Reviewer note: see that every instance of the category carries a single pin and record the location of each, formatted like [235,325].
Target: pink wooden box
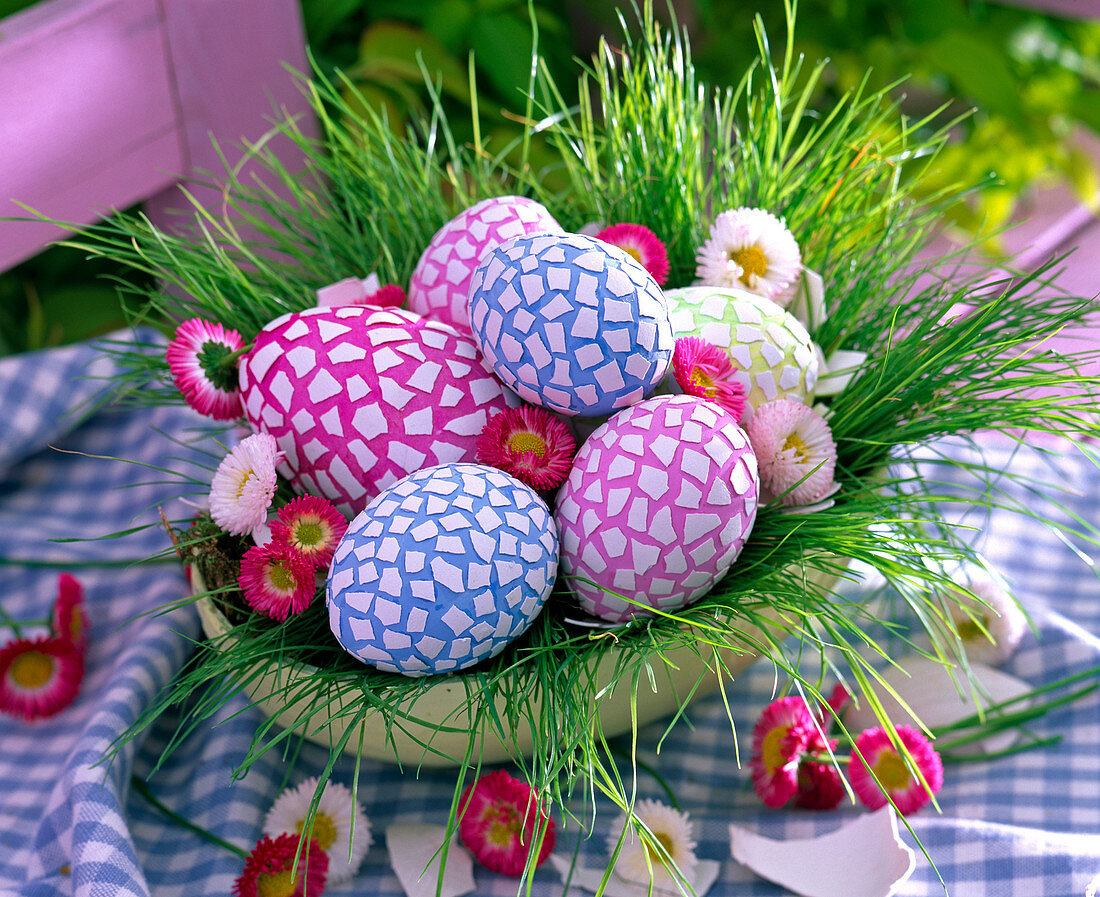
[105,103]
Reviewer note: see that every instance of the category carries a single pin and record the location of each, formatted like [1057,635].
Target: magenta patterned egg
[440,284]
[358,397]
[657,507]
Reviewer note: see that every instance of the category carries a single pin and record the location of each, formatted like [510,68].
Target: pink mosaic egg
[440,284]
[657,507]
[359,397]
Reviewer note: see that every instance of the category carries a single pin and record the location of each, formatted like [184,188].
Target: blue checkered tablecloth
[1022,825]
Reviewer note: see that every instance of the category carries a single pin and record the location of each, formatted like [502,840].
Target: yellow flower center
[702,379]
[633,253]
[275,884]
[752,263]
[76,624]
[526,441]
[891,771]
[505,828]
[324,830]
[970,631]
[32,669]
[309,533]
[794,443]
[656,857]
[282,578]
[771,751]
[242,481]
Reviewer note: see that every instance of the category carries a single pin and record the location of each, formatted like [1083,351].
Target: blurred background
[1030,74]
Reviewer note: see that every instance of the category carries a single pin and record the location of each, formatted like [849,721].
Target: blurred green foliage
[1031,79]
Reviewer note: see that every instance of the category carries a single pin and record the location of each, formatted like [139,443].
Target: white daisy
[750,249]
[989,625]
[794,450]
[244,485]
[641,861]
[332,825]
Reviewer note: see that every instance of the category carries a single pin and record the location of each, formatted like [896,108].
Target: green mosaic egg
[771,349]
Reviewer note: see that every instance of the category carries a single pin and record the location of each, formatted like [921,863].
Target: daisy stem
[6,619]
[1007,752]
[141,788]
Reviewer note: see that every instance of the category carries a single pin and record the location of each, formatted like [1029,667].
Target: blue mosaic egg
[571,323]
[442,570]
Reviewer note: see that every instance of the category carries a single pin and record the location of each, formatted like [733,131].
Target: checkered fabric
[1022,825]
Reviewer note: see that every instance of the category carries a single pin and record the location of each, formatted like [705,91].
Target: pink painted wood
[104,103]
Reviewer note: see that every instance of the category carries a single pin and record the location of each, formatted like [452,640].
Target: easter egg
[440,283]
[442,570]
[772,351]
[571,323]
[358,397]
[657,507]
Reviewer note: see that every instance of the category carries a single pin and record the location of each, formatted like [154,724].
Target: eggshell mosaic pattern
[358,397]
[440,284]
[657,507]
[442,570]
[571,323]
[773,353]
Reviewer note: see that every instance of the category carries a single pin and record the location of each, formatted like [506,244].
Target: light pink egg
[657,507]
[359,397]
[440,284]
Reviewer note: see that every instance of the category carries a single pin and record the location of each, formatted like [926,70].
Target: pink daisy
[778,740]
[39,677]
[69,616]
[498,820]
[641,244]
[312,527]
[703,369]
[530,444]
[268,871]
[244,485]
[277,581]
[876,758]
[388,296]
[819,786]
[203,360]
[795,450]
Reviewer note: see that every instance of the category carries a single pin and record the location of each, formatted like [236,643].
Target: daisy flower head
[641,861]
[642,245]
[202,359]
[70,620]
[876,758]
[819,786]
[244,485]
[311,526]
[529,443]
[779,737]
[340,827]
[705,370]
[499,820]
[389,295]
[795,450]
[39,677]
[276,581]
[988,622]
[750,249]
[269,869]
